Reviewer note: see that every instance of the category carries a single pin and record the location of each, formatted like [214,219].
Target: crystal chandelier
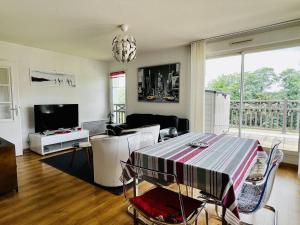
[124,46]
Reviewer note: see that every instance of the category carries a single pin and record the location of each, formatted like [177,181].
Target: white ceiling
[87,27]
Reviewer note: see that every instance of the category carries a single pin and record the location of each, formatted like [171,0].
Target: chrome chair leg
[219,216]
[244,223]
[271,208]
[206,215]
[187,190]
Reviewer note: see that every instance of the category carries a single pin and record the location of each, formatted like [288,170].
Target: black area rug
[79,169]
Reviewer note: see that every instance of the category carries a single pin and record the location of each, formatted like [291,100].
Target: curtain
[117,74]
[197,103]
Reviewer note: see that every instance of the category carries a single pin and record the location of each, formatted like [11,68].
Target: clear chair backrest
[133,143]
[274,151]
[145,180]
[267,185]
[147,139]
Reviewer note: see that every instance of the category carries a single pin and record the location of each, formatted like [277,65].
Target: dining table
[218,168]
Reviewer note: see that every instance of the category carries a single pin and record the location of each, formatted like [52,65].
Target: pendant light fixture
[124,46]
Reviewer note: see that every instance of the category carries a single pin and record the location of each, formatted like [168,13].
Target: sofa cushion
[183,125]
[166,121]
[139,120]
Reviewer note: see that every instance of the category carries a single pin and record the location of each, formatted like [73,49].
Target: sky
[278,59]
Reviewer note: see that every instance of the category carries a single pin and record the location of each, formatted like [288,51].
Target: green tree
[257,83]
[228,83]
[261,84]
[290,83]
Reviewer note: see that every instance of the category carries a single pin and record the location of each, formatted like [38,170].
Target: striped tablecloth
[219,169]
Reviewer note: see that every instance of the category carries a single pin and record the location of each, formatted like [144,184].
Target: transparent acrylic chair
[275,155]
[133,143]
[160,200]
[260,168]
[140,140]
[255,196]
[147,139]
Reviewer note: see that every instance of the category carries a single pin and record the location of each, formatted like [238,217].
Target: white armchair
[109,150]
[107,153]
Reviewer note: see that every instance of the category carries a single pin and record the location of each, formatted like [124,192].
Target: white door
[10,122]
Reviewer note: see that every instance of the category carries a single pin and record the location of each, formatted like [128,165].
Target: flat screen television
[54,117]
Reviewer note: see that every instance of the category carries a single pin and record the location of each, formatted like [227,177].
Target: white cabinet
[217,110]
[45,144]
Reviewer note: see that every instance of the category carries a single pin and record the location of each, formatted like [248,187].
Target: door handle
[16,109]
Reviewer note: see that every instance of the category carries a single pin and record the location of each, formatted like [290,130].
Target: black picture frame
[160,84]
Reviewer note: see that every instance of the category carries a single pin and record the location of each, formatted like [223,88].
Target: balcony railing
[283,115]
[119,111]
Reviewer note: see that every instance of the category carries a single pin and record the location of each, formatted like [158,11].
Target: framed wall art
[159,83]
[52,79]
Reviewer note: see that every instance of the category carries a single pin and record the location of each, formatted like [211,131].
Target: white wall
[91,92]
[181,55]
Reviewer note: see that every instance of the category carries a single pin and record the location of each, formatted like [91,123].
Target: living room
[205,94]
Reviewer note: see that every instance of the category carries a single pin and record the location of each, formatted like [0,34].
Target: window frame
[111,102]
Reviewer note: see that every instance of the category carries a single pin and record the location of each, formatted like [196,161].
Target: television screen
[53,117]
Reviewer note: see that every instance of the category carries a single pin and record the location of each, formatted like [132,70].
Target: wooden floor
[48,196]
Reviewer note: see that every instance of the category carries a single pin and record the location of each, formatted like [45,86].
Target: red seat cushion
[163,205]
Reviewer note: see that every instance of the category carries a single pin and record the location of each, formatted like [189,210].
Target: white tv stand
[46,144]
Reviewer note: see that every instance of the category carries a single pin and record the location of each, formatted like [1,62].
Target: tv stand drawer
[58,138]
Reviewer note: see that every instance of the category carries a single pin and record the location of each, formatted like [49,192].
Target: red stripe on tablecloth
[236,211]
[254,147]
[180,163]
[182,153]
[259,148]
[238,181]
[228,199]
[200,149]
[191,155]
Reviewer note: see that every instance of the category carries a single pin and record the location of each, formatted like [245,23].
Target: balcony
[119,111]
[266,120]
[262,120]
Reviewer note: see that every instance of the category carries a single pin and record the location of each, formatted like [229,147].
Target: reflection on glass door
[6,102]
[271,97]
[270,94]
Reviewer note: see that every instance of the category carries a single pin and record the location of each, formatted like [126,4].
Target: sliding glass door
[271,97]
[264,88]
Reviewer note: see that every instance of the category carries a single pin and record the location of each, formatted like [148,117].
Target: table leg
[73,157]
[135,192]
[223,215]
[88,158]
